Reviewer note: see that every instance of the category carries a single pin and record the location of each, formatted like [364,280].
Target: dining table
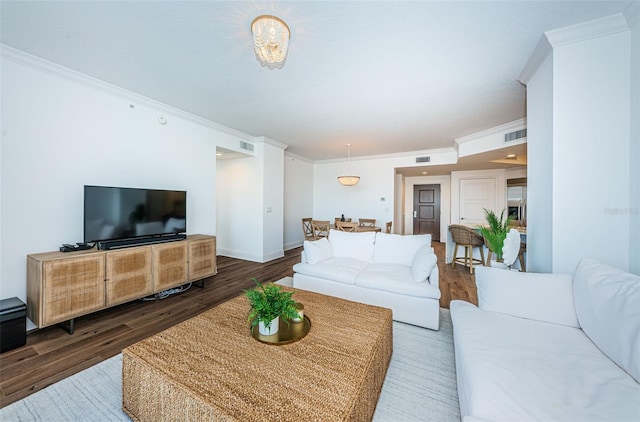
[363,228]
[369,229]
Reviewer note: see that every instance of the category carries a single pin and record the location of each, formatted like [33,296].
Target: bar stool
[468,238]
[523,249]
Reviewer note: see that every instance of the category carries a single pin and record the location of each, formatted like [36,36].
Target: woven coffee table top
[211,366]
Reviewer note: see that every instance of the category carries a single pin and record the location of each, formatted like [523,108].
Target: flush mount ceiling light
[348,180]
[270,40]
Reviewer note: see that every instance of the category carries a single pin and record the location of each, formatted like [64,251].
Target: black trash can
[13,324]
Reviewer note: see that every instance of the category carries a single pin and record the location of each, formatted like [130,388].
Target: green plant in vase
[496,231]
[268,303]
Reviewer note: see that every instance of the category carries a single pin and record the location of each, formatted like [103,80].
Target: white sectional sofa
[550,347]
[388,270]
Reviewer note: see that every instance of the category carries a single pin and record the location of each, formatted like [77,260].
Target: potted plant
[495,232]
[269,303]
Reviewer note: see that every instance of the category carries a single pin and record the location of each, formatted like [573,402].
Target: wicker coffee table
[211,368]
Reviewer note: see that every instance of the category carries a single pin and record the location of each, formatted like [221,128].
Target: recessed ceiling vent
[423,159]
[246,145]
[518,134]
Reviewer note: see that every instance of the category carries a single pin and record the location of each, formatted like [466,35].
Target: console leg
[201,285]
[68,328]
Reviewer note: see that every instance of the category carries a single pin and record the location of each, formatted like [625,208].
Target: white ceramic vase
[269,329]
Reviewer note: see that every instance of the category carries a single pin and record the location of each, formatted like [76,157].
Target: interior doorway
[476,195]
[426,210]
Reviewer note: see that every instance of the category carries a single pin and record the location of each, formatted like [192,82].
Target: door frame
[500,177]
[445,201]
[438,210]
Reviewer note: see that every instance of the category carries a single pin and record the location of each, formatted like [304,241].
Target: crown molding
[269,141]
[587,30]
[297,157]
[539,55]
[632,14]
[37,63]
[405,154]
[497,130]
[575,33]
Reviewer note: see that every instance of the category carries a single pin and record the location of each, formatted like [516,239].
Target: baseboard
[249,256]
[293,245]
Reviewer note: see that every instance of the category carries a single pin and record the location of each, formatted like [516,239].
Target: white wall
[60,131]
[540,169]
[588,95]
[239,207]
[250,204]
[633,18]
[374,196]
[298,198]
[490,139]
[516,173]
[273,206]
[591,115]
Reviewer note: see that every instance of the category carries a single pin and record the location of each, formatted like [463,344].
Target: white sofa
[388,270]
[550,347]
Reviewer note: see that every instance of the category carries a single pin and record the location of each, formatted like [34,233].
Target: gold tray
[294,331]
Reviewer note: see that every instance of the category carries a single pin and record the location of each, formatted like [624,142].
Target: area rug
[420,385]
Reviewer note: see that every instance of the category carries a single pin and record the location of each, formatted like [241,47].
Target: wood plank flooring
[51,354]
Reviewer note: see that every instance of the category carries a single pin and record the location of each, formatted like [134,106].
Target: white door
[475,195]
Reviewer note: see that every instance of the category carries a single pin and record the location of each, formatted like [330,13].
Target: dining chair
[320,228]
[347,226]
[389,226]
[367,222]
[307,229]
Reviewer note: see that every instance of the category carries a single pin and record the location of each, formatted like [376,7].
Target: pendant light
[348,180]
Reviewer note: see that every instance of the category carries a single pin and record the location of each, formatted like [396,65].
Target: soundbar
[138,241]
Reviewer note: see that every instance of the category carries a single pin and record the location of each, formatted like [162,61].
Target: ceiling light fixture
[270,40]
[348,180]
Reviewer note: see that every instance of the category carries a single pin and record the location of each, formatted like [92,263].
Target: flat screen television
[112,213]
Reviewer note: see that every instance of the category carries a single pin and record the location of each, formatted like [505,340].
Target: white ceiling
[385,76]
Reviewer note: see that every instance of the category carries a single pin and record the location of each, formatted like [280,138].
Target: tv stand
[63,286]
[106,245]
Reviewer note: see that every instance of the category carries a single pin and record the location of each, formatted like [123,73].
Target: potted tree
[269,303]
[495,232]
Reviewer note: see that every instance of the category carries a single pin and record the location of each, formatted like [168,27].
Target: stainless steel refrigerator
[517,200]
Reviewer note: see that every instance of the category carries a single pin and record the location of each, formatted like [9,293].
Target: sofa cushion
[516,369]
[608,307]
[352,245]
[317,250]
[395,278]
[545,297]
[342,270]
[398,249]
[423,263]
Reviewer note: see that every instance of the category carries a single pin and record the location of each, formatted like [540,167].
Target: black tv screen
[123,213]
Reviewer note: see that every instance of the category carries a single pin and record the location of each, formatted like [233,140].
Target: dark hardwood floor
[51,354]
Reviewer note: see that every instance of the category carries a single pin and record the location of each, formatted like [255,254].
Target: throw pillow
[398,249]
[607,303]
[352,245]
[423,263]
[317,250]
[543,297]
